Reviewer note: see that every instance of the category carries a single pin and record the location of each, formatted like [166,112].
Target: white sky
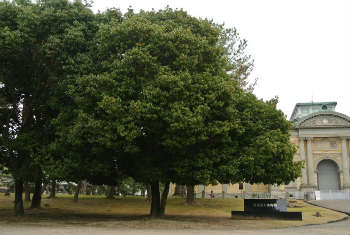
[301,48]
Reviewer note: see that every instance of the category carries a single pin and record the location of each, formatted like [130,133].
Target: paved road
[337,228]
[338,205]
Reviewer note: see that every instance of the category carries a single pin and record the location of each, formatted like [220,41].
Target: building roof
[316,103]
[311,104]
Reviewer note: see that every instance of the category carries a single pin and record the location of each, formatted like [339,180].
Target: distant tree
[251,147]
[128,186]
[180,190]
[52,189]
[27,191]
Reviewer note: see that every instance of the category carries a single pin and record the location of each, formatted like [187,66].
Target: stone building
[322,137]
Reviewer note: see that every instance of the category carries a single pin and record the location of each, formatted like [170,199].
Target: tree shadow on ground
[67,216]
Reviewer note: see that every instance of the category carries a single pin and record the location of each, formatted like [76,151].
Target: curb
[347,213]
[332,221]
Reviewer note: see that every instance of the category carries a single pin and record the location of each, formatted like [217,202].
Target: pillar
[224,188]
[310,162]
[302,157]
[345,163]
[247,190]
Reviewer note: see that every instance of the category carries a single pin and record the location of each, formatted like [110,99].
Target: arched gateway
[327,175]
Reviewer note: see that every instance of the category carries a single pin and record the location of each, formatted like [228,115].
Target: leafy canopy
[167,104]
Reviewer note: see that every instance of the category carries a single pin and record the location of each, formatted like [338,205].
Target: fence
[297,195]
[332,195]
[321,195]
[309,195]
[244,195]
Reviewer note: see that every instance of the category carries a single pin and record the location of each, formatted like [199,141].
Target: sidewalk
[337,205]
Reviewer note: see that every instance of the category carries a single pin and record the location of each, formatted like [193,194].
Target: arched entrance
[327,175]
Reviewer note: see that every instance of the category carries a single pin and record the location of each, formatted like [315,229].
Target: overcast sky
[301,48]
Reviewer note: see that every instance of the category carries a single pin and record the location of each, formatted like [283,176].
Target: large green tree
[158,96]
[41,44]
[167,104]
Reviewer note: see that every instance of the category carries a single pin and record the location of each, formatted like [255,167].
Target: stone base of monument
[270,214]
[273,208]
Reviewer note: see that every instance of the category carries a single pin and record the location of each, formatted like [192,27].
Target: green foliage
[168,105]
[264,152]
[129,186]
[40,46]
[156,96]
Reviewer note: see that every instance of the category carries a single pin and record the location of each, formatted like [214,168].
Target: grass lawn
[132,212]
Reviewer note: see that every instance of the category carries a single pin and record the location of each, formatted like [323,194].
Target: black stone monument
[276,208]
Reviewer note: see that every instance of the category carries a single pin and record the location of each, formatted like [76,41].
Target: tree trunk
[36,200]
[149,193]
[155,204]
[19,210]
[27,192]
[111,192]
[180,190]
[83,187]
[44,188]
[93,189]
[26,117]
[53,189]
[177,190]
[190,194]
[77,190]
[164,198]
